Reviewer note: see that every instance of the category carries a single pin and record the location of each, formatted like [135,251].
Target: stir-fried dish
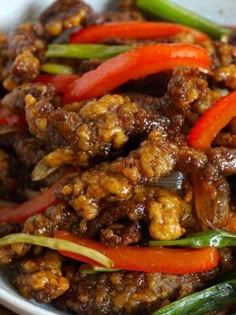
[118,160]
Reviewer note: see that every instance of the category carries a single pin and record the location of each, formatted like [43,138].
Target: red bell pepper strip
[148,259]
[59,81]
[135,64]
[13,120]
[133,30]
[19,213]
[212,121]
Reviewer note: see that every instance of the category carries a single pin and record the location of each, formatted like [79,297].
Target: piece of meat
[226,76]
[224,159]
[222,54]
[154,159]
[123,293]
[66,14]
[225,139]
[119,234]
[58,217]
[41,278]
[98,128]
[25,51]
[15,100]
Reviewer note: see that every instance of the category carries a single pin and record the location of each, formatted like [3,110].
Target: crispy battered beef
[124,292]
[66,14]
[98,128]
[118,202]
[25,51]
[224,158]
[155,159]
[41,278]
[15,100]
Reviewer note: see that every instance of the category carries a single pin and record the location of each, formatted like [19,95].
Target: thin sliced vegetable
[172,12]
[86,51]
[87,269]
[133,30]
[212,121]
[54,68]
[211,199]
[41,171]
[146,259]
[214,298]
[211,238]
[59,81]
[56,244]
[18,214]
[135,64]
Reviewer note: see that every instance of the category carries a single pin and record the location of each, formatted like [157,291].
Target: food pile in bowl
[118,160]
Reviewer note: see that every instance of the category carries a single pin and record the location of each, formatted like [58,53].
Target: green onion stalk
[86,51]
[54,68]
[214,298]
[167,10]
[211,238]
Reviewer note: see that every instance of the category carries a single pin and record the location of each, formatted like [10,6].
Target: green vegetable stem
[211,238]
[85,51]
[211,299]
[172,12]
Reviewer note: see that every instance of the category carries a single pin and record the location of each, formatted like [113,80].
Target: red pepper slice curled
[212,121]
[135,64]
[19,213]
[147,259]
[133,30]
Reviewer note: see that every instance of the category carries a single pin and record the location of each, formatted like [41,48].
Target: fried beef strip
[66,14]
[124,292]
[97,128]
[25,51]
[155,159]
[41,277]
[15,100]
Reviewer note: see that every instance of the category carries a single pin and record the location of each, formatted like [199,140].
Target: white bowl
[14,11]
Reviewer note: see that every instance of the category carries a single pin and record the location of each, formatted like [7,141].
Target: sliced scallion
[172,12]
[86,51]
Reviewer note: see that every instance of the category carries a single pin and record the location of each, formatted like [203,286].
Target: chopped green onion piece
[172,12]
[41,171]
[211,299]
[85,51]
[54,68]
[211,238]
[56,244]
[87,269]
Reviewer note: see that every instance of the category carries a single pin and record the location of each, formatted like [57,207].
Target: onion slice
[57,244]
